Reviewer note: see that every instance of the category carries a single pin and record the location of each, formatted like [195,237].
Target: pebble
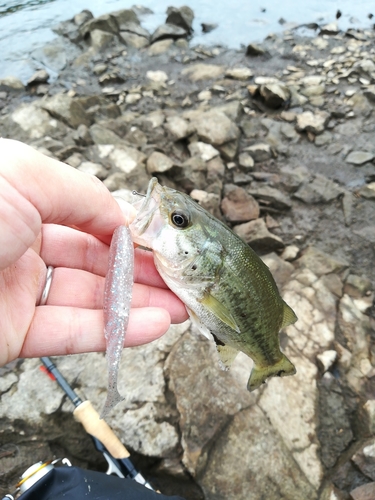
[259,152]
[256,234]
[157,76]
[239,206]
[158,163]
[326,360]
[359,157]
[204,151]
[312,122]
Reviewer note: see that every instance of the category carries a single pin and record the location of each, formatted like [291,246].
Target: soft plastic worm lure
[117,300]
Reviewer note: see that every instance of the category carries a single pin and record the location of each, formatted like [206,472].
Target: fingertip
[128,211]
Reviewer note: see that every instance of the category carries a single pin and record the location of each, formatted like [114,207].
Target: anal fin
[227,355]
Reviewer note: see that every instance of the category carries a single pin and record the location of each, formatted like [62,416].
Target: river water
[25,25]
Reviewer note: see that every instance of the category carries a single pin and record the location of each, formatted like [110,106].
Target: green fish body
[228,291]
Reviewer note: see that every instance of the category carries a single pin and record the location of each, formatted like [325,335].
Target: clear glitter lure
[117,300]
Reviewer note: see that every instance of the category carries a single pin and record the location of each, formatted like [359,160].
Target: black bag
[73,483]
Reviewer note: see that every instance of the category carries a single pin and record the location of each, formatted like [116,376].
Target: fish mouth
[146,210]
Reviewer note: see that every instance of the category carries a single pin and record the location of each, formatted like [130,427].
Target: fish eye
[179,219]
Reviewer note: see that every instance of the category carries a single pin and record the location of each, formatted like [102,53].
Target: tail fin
[258,376]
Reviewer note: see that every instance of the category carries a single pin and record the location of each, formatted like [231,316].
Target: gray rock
[82,17]
[207,27]
[93,169]
[215,128]
[359,157]
[54,54]
[367,233]
[259,152]
[229,150]
[370,93]
[256,234]
[182,17]
[201,71]
[134,40]
[364,492]
[106,22]
[273,196]
[246,161]
[102,135]
[41,76]
[66,109]
[203,150]
[368,191]
[255,50]
[191,174]
[281,270]
[321,263]
[158,162]
[323,139]
[178,127]
[233,110]
[100,39]
[247,480]
[135,28]
[125,16]
[158,48]
[312,122]
[239,73]
[209,201]
[357,286]
[168,31]
[275,95]
[36,122]
[329,29]
[11,83]
[319,190]
[239,206]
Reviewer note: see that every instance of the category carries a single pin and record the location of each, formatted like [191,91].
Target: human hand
[54,215]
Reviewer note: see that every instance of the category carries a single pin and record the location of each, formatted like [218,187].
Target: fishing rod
[105,441]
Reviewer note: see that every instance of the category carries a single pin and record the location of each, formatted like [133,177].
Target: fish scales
[228,291]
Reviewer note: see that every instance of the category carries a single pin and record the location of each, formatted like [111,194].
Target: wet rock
[256,234]
[319,190]
[259,152]
[82,17]
[275,96]
[40,76]
[271,196]
[200,71]
[312,122]
[239,206]
[11,83]
[106,23]
[329,29]
[54,55]
[134,28]
[204,151]
[320,262]
[158,162]
[239,73]
[168,31]
[255,50]
[182,17]
[100,39]
[178,127]
[359,157]
[66,109]
[215,128]
[364,492]
[208,27]
[323,139]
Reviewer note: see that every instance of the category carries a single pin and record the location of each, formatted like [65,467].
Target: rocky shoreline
[278,141]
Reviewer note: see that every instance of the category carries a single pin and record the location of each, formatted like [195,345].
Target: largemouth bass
[228,291]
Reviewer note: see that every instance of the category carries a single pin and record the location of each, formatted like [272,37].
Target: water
[25,25]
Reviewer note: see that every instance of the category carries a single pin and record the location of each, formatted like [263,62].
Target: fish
[118,288]
[228,291]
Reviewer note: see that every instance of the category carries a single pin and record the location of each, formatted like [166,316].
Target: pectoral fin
[219,310]
[289,316]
